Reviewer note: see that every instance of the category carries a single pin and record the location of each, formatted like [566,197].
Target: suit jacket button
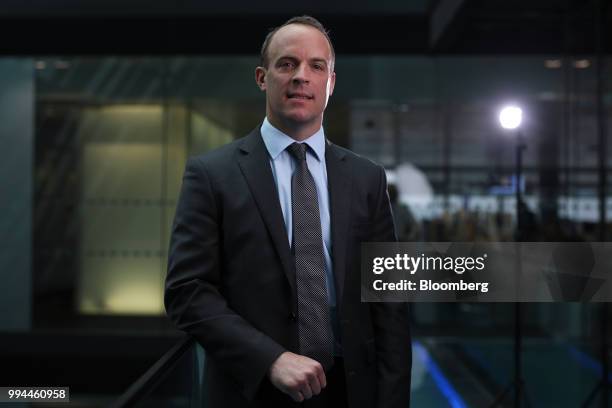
[293,317]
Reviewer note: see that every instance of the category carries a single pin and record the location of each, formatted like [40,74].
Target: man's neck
[299,132]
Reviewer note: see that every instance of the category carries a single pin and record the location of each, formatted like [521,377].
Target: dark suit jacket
[231,277]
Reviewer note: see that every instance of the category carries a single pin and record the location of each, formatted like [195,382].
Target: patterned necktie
[315,331]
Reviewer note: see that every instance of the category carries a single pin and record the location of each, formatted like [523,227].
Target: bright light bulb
[511,117]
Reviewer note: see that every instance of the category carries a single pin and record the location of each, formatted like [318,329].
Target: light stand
[518,382]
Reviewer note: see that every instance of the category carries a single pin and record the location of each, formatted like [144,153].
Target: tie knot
[298,151]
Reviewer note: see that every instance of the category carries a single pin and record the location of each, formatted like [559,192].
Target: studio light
[510,117]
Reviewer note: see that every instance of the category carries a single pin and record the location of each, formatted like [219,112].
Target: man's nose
[300,75]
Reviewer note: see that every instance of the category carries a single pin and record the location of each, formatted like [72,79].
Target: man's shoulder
[220,157]
[356,160]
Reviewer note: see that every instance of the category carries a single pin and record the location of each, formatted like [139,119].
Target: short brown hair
[304,20]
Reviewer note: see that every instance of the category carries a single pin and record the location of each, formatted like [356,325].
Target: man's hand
[299,376]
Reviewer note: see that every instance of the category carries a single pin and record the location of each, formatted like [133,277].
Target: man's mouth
[298,95]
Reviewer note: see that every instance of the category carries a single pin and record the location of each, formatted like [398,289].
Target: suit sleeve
[193,291]
[390,321]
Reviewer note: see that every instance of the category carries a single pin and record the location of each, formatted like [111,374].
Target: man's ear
[260,77]
[332,82]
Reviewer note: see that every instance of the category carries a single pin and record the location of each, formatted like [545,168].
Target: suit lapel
[339,186]
[255,165]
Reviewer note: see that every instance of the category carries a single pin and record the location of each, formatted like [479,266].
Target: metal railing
[174,380]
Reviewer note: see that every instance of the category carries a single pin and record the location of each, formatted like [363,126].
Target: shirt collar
[276,141]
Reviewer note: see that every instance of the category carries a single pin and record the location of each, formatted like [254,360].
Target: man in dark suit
[264,257]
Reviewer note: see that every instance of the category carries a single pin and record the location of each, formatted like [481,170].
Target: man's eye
[319,67]
[286,64]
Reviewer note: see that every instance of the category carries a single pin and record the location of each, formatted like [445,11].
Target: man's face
[299,78]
